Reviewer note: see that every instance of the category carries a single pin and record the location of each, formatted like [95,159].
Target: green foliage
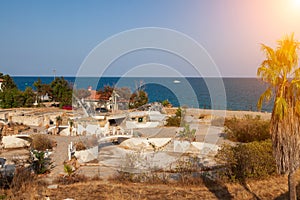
[247,129]
[166,103]
[187,133]
[29,97]
[61,91]
[138,99]
[38,86]
[10,95]
[40,164]
[179,112]
[42,89]
[11,98]
[250,160]
[173,121]
[8,82]
[68,169]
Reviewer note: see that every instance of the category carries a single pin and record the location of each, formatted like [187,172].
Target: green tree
[11,98]
[29,97]
[8,82]
[38,86]
[281,73]
[61,91]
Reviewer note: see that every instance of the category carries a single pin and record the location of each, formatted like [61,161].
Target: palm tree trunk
[292,186]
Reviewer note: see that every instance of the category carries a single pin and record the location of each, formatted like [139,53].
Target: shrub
[42,142]
[41,164]
[187,133]
[68,169]
[21,177]
[25,185]
[249,160]
[79,146]
[166,103]
[247,129]
[177,119]
[173,121]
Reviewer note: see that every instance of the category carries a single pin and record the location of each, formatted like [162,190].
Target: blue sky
[37,36]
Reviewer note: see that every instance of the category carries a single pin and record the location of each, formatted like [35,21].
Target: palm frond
[280,107]
[266,96]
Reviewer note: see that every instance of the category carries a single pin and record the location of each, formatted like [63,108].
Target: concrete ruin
[16,141]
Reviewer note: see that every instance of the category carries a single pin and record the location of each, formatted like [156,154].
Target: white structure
[87,155]
[1,83]
[16,141]
[145,119]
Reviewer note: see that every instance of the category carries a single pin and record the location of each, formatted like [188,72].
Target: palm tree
[281,73]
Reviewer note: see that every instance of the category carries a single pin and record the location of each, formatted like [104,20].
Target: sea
[208,93]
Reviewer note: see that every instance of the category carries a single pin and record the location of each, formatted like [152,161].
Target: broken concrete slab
[87,155]
[15,141]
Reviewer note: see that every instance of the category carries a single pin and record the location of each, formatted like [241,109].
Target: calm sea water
[241,93]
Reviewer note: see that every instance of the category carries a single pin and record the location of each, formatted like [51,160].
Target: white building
[1,83]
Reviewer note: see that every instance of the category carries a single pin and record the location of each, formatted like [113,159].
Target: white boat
[176,81]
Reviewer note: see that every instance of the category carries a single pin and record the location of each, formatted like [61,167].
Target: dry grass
[28,187]
[271,188]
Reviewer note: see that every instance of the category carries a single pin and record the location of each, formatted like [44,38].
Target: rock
[52,186]
[15,141]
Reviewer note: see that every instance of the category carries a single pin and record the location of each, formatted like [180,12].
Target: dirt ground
[271,188]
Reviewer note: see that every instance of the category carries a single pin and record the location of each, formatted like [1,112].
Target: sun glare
[296,2]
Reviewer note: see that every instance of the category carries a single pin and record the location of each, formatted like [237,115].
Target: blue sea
[241,93]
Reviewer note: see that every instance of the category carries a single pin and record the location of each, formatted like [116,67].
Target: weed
[42,142]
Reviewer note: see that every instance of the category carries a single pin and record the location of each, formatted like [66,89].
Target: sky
[39,36]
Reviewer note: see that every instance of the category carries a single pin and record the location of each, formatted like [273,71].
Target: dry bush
[79,146]
[25,185]
[146,177]
[42,142]
[247,129]
[244,161]
[70,179]
[177,119]
[23,176]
